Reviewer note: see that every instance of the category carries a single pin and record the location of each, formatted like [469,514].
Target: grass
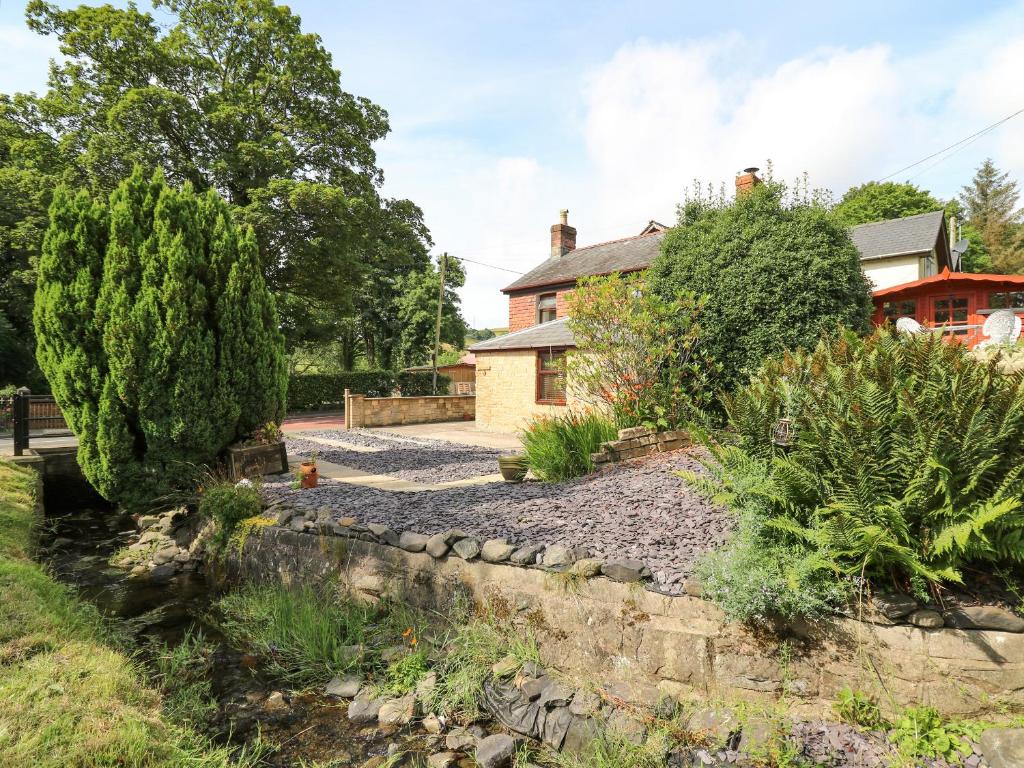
[559,448]
[182,675]
[466,657]
[308,634]
[68,694]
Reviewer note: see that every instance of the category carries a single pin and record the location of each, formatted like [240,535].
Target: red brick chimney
[747,180]
[563,237]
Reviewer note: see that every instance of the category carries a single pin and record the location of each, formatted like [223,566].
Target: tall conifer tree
[157,333]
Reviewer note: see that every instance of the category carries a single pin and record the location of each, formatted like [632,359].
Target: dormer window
[547,307]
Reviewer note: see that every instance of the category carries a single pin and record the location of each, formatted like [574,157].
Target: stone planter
[513,468]
[308,475]
[248,460]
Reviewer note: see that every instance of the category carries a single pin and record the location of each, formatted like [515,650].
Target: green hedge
[313,391]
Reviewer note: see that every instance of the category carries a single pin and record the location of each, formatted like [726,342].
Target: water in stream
[311,728]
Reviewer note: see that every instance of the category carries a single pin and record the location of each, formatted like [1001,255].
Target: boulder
[527,555]
[585,703]
[344,687]
[363,709]
[275,702]
[625,570]
[581,735]
[693,587]
[432,724]
[163,572]
[984,617]
[496,751]
[496,551]
[384,534]
[894,605]
[559,556]
[926,619]
[460,740]
[718,724]
[437,545]
[412,542]
[467,548]
[397,711]
[443,760]
[1003,747]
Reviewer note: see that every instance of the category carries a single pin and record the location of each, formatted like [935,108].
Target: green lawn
[69,695]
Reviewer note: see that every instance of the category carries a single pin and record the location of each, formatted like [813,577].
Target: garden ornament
[1001,327]
[909,325]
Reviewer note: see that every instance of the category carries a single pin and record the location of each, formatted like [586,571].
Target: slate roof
[553,334]
[626,255]
[911,234]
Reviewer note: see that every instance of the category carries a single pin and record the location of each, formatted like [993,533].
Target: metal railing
[35,415]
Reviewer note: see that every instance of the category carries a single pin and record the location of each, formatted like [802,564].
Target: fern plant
[908,461]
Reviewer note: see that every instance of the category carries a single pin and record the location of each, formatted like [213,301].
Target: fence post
[20,414]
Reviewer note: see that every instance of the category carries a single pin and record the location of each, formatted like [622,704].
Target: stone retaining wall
[597,622]
[362,411]
[639,441]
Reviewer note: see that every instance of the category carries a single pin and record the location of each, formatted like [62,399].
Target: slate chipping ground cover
[637,509]
[418,460]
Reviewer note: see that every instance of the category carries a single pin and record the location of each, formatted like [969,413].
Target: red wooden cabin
[959,302]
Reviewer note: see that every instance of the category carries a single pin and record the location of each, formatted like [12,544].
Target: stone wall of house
[362,411]
[639,441]
[609,630]
[506,391]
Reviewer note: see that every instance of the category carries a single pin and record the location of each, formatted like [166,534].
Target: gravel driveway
[637,509]
[415,459]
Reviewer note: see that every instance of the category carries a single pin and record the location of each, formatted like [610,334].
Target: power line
[482,264]
[966,140]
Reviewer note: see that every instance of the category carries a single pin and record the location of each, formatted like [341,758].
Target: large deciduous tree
[416,312]
[230,95]
[880,201]
[157,333]
[775,274]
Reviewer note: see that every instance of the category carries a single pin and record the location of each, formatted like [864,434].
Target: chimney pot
[563,237]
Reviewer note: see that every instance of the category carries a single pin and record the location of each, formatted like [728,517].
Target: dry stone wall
[636,442]
[597,621]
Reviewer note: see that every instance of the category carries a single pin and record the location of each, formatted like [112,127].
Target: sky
[504,113]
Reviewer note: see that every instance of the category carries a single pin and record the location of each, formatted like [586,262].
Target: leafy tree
[232,96]
[417,312]
[977,258]
[880,201]
[990,201]
[638,355]
[775,274]
[157,333]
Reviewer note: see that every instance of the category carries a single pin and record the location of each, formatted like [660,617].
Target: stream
[308,727]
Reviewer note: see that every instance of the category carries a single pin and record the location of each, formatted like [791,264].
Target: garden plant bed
[637,510]
[414,459]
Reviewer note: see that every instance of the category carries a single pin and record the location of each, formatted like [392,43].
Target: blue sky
[503,113]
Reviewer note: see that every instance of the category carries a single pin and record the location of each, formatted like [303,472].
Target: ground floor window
[1007,300]
[952,310]
[551,377]
[893,310]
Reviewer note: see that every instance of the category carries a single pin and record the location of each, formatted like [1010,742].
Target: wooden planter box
[249,460]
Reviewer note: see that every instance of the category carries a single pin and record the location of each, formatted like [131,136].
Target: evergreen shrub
[156,332]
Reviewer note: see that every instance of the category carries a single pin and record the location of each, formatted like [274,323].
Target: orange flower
[413,641]
[407,632]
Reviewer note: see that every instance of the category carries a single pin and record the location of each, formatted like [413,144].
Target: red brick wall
[522,308]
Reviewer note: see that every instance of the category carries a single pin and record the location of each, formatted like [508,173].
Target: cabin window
[547,307]
[893,310]
[952,310]
[551,377]
[1006,300]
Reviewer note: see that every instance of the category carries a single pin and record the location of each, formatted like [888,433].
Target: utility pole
[437,327]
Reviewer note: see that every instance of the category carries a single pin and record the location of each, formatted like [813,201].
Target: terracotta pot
[513,468]
[308,475]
